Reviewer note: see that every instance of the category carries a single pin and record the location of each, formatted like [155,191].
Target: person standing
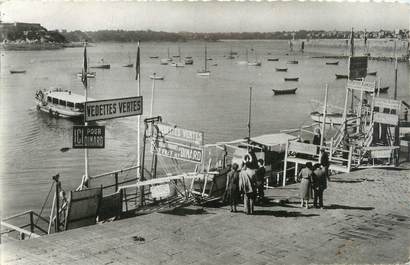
[260,180]
[305,184]
[245,185]
[320,184]
[232,187]
[324,161]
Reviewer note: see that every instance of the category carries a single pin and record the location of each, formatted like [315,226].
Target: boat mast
[138,77]
[324,118]
[249,114]
[152,94]
[85,83]
[206,59]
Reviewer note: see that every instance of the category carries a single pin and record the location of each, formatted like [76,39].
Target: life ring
[247,158]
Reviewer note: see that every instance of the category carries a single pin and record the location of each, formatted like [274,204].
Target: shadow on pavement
[351,181]
[187,211]
[283,213]
[346,207]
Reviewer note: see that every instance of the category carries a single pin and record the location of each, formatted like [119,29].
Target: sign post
[113,108]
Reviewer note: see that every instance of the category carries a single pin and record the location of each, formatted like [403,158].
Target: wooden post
[31,222]
[296,171]
[116,181]
[349,162]
[57,194]
[142,178]
[285,164]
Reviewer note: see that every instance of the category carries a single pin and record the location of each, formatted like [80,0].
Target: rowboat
[382,90]
[60,103]
[89,75]
[273,59]
[293,62]
[331,118]
[153,57]
[339,76]
[157,77]
[177,64]
[284,91]
[291,78]
[371,73]
[254,63]
[17,71]
[164,61]
[332,63]
[188,60]
[101,66]
[281,69]
[129,65]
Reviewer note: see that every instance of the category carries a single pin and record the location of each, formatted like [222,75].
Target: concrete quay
[366,220]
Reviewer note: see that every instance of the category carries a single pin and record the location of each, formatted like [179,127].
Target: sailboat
[256,63]
[129,62]
[166,60]
[178,64]
[102,65]
[205,71]
[294,61]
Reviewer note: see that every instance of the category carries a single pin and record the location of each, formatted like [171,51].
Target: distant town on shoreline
[32,33]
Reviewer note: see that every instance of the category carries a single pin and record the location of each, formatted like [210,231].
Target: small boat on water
[281,69]
[17,71]
[382,90]
[101,66]
[153,57]
[332,63]
[371,73]
[254,63]
[293,62]
[89,74]
[177,64]
[339,76]
[291,78]
[164,61]
[60,103]
[188,60]
[331,118]
[284,91]
[273,59]
[157,77]
[129,65]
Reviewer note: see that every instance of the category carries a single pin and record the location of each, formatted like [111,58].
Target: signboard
[387,103]
[361,85]
[303,148]
[112,108]
[384,118]
[381,153]
[176,133]
[160,191]
[88,136]
[357,67]
[180,151]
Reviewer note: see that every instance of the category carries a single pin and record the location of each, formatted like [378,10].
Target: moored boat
[372,73]
[291,78]
[382,90]
[254,63]
[129,65]
[177,64]
[154,57]
[157,77]
[188,60]
[281,69]
[60,103]
[284,91]
[89,75]
[293,62]
[273,59]
[17,71]
[332,63]
[340,76]
[101,66]
[331,118]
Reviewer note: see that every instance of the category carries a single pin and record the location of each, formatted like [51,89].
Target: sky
[210,16]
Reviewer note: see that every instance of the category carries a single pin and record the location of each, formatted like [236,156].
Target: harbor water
[30,141]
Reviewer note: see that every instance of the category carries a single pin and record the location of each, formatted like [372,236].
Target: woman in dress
[232,187]
[306,175]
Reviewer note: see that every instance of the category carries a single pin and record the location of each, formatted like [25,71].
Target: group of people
[313,181]
[247,182]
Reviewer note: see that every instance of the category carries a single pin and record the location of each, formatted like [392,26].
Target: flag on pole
[137,65]
[84,73]
[352,44]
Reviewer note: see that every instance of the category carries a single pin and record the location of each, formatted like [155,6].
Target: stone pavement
[366,221]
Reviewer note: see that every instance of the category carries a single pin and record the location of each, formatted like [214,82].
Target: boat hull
[293,62]
[56,111]
[292,79]
[17,71]
[203,73]
[273,59]
[341,76]
[284,91]
[332,63]
[332,118]
[281,69]
[103,66]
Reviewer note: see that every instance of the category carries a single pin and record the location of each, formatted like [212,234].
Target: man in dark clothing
[232,187]
[260,180]
[319,185]
[324,161]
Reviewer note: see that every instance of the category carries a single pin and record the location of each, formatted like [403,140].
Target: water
[217,105]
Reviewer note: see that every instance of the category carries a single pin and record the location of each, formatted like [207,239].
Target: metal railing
[34,231]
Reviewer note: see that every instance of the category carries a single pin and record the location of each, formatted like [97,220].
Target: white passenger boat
[60,103]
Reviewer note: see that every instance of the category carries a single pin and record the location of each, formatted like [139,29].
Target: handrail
[18,229]
[113,172]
